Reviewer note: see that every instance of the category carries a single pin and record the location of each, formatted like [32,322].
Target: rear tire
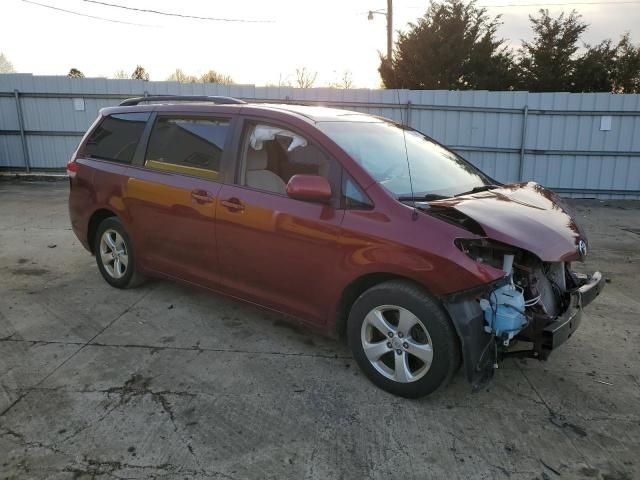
[402,339]
[115,255]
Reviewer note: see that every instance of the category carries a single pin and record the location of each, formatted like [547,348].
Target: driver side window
[272,155]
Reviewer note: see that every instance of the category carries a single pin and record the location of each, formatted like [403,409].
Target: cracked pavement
[164,381]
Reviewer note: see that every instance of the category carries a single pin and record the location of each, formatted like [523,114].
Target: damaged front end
[537,304]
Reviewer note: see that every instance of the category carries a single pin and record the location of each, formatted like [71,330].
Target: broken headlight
[486,251]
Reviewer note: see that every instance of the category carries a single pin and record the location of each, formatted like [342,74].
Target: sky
[327,37]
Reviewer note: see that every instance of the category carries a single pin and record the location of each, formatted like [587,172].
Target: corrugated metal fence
[582,145]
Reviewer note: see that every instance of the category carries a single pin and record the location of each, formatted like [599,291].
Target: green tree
[75,73]
[548,63]
[594,70]
[140,73]
[626,71]
[214,77]
[453,46]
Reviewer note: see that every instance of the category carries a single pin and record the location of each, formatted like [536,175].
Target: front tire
[402,339]
[115,255]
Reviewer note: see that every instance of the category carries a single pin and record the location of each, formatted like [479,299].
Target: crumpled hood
[524,215]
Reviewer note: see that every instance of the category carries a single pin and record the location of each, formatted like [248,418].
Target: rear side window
[187,145]
[117,137]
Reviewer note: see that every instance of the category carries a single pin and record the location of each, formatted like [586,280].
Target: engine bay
[535,294]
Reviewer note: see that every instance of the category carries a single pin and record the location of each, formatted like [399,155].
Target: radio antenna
[403,125]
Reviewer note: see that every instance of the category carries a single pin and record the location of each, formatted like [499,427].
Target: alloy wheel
[113,253]
[397,343]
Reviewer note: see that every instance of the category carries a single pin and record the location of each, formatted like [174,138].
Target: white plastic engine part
[507,264]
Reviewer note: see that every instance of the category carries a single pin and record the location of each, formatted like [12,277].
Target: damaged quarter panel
[422,249]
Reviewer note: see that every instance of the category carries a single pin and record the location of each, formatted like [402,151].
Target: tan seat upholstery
[257,175]
[310,155]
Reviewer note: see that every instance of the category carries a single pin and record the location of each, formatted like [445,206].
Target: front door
[172,197]
[274,250]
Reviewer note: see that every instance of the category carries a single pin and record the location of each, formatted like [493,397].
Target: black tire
[130,277]
[441,335]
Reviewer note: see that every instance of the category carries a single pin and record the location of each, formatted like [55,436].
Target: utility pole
[389,30]
[389,15]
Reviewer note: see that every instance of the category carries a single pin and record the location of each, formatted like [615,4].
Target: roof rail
[181,98]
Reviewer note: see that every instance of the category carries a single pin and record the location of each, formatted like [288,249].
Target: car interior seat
[257,175]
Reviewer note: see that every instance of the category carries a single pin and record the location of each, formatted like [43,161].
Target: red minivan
[355,224]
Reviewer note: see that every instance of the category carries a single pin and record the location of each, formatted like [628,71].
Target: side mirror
[309,188]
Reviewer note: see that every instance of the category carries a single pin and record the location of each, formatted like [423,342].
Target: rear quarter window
[116,137]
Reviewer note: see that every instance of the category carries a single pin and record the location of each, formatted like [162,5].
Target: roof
[319,113]
[311,113]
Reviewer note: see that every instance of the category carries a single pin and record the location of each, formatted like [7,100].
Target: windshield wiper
[481,188]
[421,198]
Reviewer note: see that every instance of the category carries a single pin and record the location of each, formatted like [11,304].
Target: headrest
[257,159]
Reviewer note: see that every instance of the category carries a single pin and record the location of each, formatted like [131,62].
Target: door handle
[233,205]
[201,196]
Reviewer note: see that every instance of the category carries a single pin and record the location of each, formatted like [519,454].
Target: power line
[180,15]
[555,4]
[562,4]
[87,16]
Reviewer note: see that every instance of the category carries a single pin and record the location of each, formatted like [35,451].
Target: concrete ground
[167,382]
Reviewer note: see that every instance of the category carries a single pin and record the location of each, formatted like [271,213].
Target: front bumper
[561,329]
[478,346]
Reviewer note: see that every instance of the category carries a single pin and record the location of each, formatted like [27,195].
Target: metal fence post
[25,150]
[525,116]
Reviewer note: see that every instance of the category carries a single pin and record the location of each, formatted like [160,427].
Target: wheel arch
[356,288]
[94,221]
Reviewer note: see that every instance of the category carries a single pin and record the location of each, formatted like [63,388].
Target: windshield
[379,147]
